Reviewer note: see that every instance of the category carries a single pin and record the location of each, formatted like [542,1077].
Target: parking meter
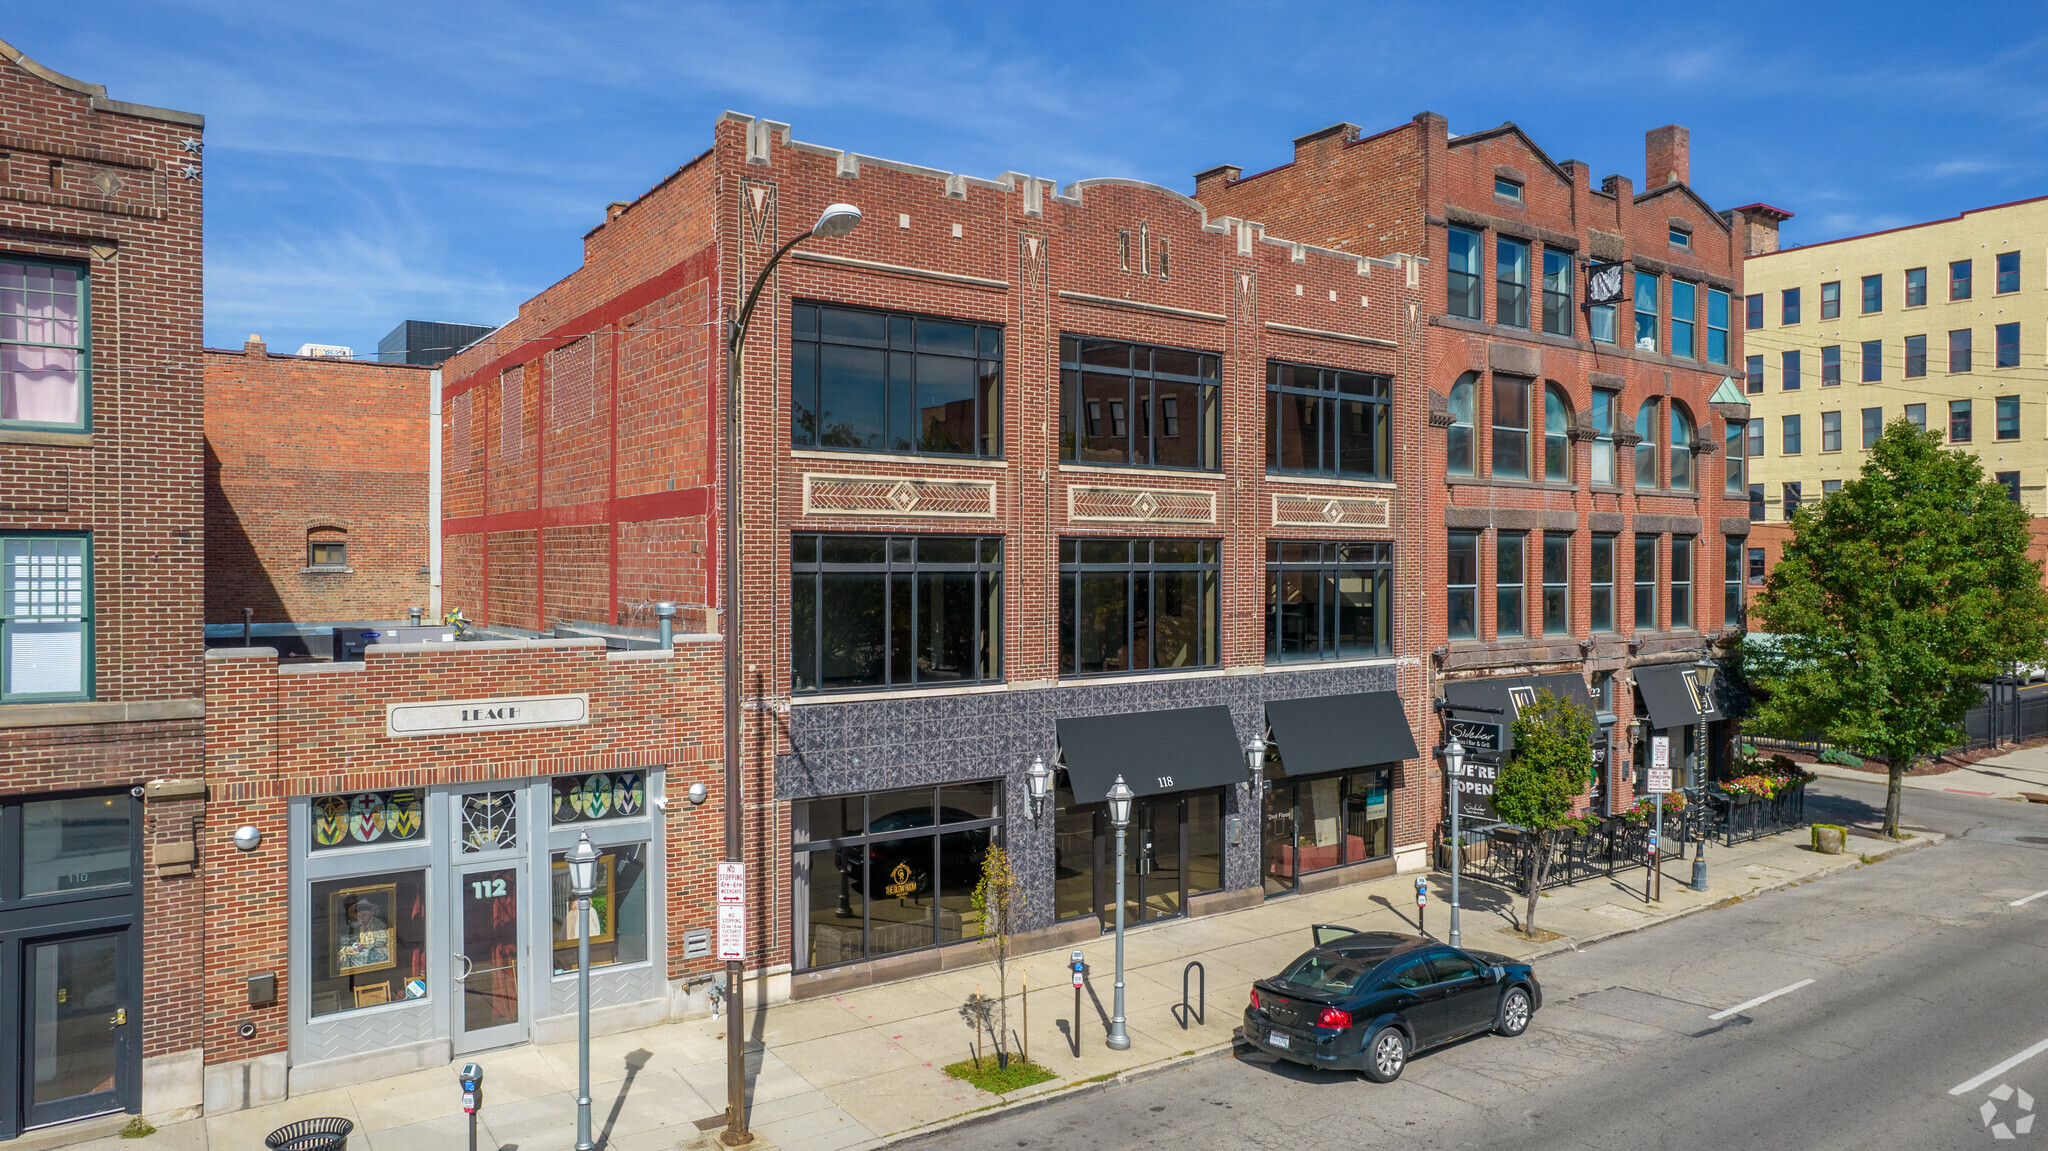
[1421,903]
[472,1077]
[1080,970]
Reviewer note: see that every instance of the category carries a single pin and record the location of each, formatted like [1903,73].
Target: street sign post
[732,910]
[1660,784]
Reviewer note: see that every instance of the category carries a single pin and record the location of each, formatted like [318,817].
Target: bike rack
[1199,1013]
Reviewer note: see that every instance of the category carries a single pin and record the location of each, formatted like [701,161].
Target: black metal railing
[1746,818]
[1505,854]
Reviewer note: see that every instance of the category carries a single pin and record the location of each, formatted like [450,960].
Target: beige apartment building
[1944,322]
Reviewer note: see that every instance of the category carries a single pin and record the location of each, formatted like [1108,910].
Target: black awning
[1674,696]
[1155,751]
[1335,732]
[1492,732]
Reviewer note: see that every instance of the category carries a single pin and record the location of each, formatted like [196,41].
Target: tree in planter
[999,905]
[1551,763]
[1897,597]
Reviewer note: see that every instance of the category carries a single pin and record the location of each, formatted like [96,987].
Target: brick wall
[295,445]
[293,730]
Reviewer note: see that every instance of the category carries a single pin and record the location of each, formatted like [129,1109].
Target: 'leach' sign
[451,716]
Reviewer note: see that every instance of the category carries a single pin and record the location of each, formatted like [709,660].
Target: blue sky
[373,162]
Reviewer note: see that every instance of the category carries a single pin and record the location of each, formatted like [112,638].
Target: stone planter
[1829,839]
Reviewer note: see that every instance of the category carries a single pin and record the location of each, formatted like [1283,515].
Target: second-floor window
[1462,274]
[45,353]
[1602,582]
[1511,427]
[1681,581]
[1328,600]
[1557,569]
[1646,447]
[1557,442]
[1510,588]
[1139,405]
[1603,436]
[1138,605]
[1684,312]
[869,612]
[1321,421]
[46,641]
[1461,584]
[1646,582]
[1511,279]
[1681,449]
[871,381]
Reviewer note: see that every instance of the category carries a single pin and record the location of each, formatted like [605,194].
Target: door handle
[120,1018]
[467,967]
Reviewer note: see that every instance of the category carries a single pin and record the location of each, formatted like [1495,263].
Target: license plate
[1277,1039]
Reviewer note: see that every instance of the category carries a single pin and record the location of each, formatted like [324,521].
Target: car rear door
[1471,998]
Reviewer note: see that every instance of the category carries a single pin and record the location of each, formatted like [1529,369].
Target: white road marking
[1765,998]
[2028,899]
[1969,1085]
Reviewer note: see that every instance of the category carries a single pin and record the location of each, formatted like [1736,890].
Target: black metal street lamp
[582,865]
[1454,763]
[836,220]
[1038,783]
[1703,673]
[1120,796]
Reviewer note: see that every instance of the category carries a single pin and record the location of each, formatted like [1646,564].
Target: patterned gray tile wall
[875,745]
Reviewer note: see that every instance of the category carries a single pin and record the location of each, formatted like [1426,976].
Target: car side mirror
[1497,972]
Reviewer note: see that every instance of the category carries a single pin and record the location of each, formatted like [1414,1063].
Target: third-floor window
[1322,421]
[1511,276]
[871,381]
[1139,405]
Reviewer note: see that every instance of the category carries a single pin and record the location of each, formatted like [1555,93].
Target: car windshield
[1323,973]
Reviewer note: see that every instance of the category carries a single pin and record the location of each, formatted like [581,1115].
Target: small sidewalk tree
[1898,597]
[1552,760]
[999,903]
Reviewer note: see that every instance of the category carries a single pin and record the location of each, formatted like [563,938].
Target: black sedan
[1366,1001]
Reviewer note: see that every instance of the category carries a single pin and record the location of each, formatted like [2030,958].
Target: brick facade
[301,448]
[1400,191]
[113,190]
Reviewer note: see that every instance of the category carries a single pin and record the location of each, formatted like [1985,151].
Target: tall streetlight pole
[1703,671]
[836,220]
[1454,762]
[1120,796]
[582,865]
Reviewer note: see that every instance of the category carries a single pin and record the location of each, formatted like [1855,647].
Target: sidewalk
[2005,777]
[854,1070]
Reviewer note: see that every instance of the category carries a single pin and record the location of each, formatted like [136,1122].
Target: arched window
[327,548]
[1681,448]
[1557,444]
[1458,437]
[1646,448]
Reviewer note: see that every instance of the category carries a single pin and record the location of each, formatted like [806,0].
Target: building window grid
[45,345]
[896,382]
[894,612]
[1324,421]
[1139,405]
[46,617]
[1462,274]
[1328,600]
[1138,605]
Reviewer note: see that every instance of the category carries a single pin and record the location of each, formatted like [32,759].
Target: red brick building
[1091,476]
[101,674]
[400,901]
[1583,472]
[316,490]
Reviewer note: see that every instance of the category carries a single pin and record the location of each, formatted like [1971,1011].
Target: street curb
[1139,1074]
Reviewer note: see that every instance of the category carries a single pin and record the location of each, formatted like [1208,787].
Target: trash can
[311,1135]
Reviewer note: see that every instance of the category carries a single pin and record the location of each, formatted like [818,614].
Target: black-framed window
[1602,582]
[891,871]
[1510,582]
[1647,306]
[1511,282]
[2008,272]
[1959,351]
[1324,421]
[1831,431]
[1788,371]
[1511,426]
[1873,294]
[1959,421]
[1646,582]
[1753,311]
[1462,274]
[1831,300]
[1736,444]
[1557,582]
[1461,584]
[1717,326]
[1873,361]
[1138,605]
[1507,189]
[2008,417]
[1789,437]
[1756,567]
[45,345]
[1681,581]
[1756,503]
[1328,600]
[1916,357]
[1831,366]
[1684,314]
[1458,437]
[1731,580]
[2006,345]
[327,548]
[1139,405]
[1959,282]
[873,381]
[1789,500]
[1753,374]
[1873,426]
[1788,306]
[1916,287]
[46,617]
[873,611]
[1557,291]
[2010,481]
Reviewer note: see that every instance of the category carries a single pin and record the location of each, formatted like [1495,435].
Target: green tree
[1896,599]
[999,905]
[1551,764]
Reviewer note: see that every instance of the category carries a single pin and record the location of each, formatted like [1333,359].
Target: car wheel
[1386,1053]
[1515,1012]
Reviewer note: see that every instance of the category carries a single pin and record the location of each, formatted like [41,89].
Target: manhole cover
[2032,838]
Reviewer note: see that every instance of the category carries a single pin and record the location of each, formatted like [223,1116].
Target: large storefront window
[889,872]
[1325,821]
[617,919]
[1328,600]
[895,611]
[367,939]
[1137,605]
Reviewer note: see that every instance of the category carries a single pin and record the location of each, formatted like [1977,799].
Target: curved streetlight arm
[738,335]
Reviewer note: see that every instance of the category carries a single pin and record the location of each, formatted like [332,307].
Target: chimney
[1762,221]
[1211,179]
[614,210]
[1667,156]
[253,346]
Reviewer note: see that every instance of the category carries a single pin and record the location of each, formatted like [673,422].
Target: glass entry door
[1154,866]
[486,964]
[81,1019]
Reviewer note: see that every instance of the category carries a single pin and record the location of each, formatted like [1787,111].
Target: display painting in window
[367,817]
[610,795]
[359,924]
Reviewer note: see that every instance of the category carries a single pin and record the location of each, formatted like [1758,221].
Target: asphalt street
[1896,983]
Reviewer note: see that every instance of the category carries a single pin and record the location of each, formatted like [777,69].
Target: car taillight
[1255,999]
[1334,1017]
